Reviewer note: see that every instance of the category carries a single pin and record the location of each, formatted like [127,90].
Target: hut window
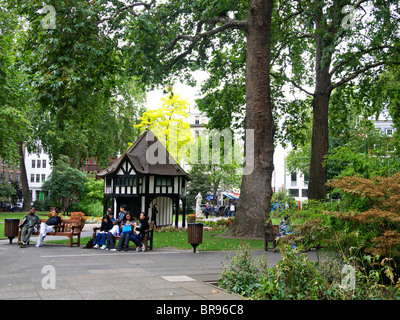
[164,181]
[126,181]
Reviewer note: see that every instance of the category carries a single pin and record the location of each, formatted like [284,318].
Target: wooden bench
[147,239]
[271,232]
[68,228]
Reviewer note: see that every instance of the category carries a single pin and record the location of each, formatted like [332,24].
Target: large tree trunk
[254,204]
[24,179]
[320,104]
[319,146]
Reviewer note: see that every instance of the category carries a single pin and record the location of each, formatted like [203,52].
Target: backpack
[89,245]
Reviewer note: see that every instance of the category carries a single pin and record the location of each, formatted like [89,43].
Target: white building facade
[38,170]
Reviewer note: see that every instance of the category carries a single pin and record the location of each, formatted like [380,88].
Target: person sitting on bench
[29,223]
[138,235]
[47,227]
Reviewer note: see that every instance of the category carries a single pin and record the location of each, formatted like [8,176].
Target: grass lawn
[211,241]
[17,215]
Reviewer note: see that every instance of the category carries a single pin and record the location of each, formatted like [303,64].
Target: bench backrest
[66,224]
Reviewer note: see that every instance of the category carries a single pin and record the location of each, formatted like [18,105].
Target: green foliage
[295,277]
[241,272]
[65,184]
[6,191]
[91,200]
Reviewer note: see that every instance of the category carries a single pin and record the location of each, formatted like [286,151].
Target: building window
[304,193]
[44,164]
[43,177]
[38,163]
[294,192]
[389,132]
[32,178]
[33,163]
[164,181]
[126,181]
[38,178]
[293,177]
[197,120]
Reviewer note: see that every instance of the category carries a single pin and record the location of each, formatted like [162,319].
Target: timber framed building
[145,175]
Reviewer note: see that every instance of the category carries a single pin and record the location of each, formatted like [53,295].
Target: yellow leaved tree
[170,125]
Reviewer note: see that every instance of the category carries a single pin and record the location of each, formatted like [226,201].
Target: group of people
[226,211]
[31,223]
[125,226]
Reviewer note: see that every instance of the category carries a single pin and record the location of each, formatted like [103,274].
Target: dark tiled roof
[148,156]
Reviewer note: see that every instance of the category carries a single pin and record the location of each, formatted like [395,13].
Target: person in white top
[114,232]
[232,209]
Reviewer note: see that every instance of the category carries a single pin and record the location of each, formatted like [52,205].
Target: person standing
[232,210]
[122,212]
[154,212]
[47,227]
[28,225]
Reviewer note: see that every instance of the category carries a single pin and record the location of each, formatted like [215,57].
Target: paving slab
[89,274]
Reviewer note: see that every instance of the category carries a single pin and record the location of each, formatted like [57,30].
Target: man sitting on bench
[47,227]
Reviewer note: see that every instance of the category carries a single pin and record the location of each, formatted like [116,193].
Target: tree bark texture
[24,179]
[254,204]
[320,135]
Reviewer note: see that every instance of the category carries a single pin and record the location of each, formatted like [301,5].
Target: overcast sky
[186,92]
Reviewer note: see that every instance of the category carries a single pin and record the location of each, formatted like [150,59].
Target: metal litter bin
[11,228]
[195,234]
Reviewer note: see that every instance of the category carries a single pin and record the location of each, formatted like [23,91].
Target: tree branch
[356,73]
[292,82]
[147,5]
[193,40]
[357,54]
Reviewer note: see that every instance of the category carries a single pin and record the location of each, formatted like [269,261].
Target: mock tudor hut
[144,175]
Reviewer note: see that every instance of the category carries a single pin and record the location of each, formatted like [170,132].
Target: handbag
[126,229]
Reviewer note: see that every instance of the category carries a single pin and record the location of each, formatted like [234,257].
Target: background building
[38,170]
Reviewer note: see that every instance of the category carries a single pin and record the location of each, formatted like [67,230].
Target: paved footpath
[89,274]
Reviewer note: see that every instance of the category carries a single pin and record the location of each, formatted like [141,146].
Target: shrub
[241,272]
[377,222]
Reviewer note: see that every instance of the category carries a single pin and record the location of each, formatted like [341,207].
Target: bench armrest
[58,227]
[79,228]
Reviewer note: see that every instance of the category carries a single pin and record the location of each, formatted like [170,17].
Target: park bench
[271,232]
[68,228]
[271,235]
[147,239]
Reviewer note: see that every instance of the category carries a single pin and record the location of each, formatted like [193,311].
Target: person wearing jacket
[28,225]
[47,227]
[114,232]
[140,229]
[127,225]
[100,240]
